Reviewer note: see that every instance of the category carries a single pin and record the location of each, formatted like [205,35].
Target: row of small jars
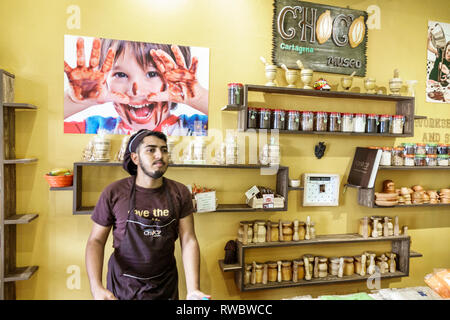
[399,157]
[260,231]
[294,120]
[286,270]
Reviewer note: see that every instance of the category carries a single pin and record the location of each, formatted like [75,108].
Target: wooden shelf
[229,267]
[24,106]
[327,280]
[20,161]
[21,218]
[182,165]
[414,205]
[231,107]
[414,254]
[413,168]
[21,273]
[61,188]
[295,188]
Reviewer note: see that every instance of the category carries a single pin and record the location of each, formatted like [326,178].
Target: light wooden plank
[21,273]
[21,218]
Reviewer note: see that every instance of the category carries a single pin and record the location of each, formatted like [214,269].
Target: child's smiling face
[128,77]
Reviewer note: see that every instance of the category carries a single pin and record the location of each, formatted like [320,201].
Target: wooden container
[274,231]
[247,274]
[245,225]
[334,266]
[323,267]
[349,268]
[272,271]
[286,270]
[287,231]
[300,269]
[357,264]
[261,231]
[259,272]
[301,230]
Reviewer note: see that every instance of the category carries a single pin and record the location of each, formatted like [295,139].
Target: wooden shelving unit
[403,106]
[9,219]
[282,176]
[400,246]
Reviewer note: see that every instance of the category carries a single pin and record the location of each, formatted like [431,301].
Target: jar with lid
[431,148]
[259,272]
[287,231]
[334,265]
[252,120]
[372,123]
[357,264]
[431,160]
[349,268]
[397,124]
[261,231]
[362,222]
[293,121]
[301,230]
[235,93]
[385,123]
[386,156]
[248,273]
[420,160]
[442,159]
[420,148]
[335,123]
[274,231]
[443,149]
[397,156]
[408,148]
[286,270]
[347,122]
[323,267]
[359,122]
[300,269]
[408,160]
[320,121]
[278,119]
[307,119]
[272,271]
[245,225]
[264,118]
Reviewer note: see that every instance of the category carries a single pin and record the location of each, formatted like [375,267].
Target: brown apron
[143,267]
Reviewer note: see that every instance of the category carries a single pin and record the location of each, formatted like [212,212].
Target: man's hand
[197,295]
[101,293]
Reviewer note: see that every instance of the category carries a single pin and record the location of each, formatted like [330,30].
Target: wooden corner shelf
[61,188]
[20,161]
[24,106]
[21,273]
[21,218]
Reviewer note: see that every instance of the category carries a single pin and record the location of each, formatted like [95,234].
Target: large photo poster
[119,87]
[438,62]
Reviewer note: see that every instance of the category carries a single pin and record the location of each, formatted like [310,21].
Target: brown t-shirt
[113,205]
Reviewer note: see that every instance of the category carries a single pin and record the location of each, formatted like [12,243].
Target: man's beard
[155,174]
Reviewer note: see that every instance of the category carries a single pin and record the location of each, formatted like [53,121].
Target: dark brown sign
[323,38]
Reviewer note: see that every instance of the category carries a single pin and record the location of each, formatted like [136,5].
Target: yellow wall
[237,33]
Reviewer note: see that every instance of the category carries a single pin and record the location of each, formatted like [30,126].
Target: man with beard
[147,212]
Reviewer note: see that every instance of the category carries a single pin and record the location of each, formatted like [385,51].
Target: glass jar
[442,159]
[274,231]
[397,124]
[293,121]
[420,160]
[408,148]
[287,231]
[334,123]
[235,93]
[408,160]
[320,121]
[386,156]
[300,269]
[323,267]
[301,230]
[431,148]
[359,122]
[349,268]
[261,231]
[307,120]
[420,148]
[272,271]
[397,156]
[286,270]
[334,266]
[252,120]
[385,123]
[431,160]
[278,119]
[264,118]
[443,149]
[372,123]
[347,122]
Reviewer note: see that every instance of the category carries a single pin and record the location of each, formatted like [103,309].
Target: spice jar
[286,270]
[408,148]
[349,268]
[300,269]
[278,119]
[287,231]
[334,123]
[397,156]
[272,271]
[420,148]
[347,122]
[359,122]
[385,123]
[362,222]
[252,120]
[334,266]
[408,160]
[274,231]
[293,121]
[301,230]
[323,267]
[386,156]
[420,160]
[431,160]
[442,149]
[307,119]
[372,123]
[264,118]
[397,124]
[431,148]
[357,264]
[320,121]
[442,159]
[259,272]
[235,93]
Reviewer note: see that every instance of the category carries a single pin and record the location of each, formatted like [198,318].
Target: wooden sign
[323,38]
